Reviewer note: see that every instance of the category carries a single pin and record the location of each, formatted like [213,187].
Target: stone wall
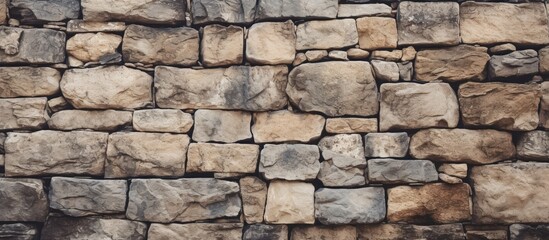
[274,119]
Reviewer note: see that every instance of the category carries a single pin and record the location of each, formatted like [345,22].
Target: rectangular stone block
[284,126]
[92,228]
[3,11]
[221,126]
[346,232]
[222,158]
[81,26]
[162,120]
[303,9]
[289,162]
[135,11]
[428,23]
[544,106]
[350,206]
[351,125]
[36,12]
[386,144]
[222,45]
[377,32]
[408,231]
[23,113]
[390,171]
[108,120]
[271,43]
[364,10]
[339,33]
[19,231]
[196,231]
[254,197]
[290,202]
[453,64]
[522,63]
[35,46]
[22,200]
[28,81]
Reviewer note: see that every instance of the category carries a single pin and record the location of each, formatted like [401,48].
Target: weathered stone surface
[134,11]
[57,104]
[271,43]
[23,200]
[254,196]
[534,146]
[84,197]
[350,206]
[453,64]
[37,46]
[338,55]
[169,46]
[18,231]
[405,70]
[449,179]
[386,144]
[81,26]
[196,231]
[290,203]
[222,45]
[23,113]
[408,231]
[462,145]
[431,203]
[316,55]
[28,81]
[91,47]
[377,32]
[114,87]
[277,9]
[335,34]
[490,23]
[289,161]
[413,106]
[3,11]
[544,60]
[351,125]
[259,88]
[408,53]
[392,171]
[340,170]
[428,23]
[346,144]
[334,88]
[506,106]
[266,232]
[92,228]
[182,200]
[357,54]
[32,11]
[211,11]
[544,108]
[162,120]
[299,59]
[136,154]
[503,48]
[386,71]
[393,55]
[515,64]
[285,126]
[108,120]
[221,126]
[364,10]
[222,158]
[522,231]
[55,153]
[453,169]
[324,232]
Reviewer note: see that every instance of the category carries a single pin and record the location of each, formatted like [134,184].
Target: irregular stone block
[22,200]
[543,60]
[259,88]
[505,106]
[276,9]
[18,231]
[324,232]
[334,88]
[393,55]
[453,64]
[515,64]
[408,231]
[83,197]
[454,169]
[350,206]
[462,145]
[431,203]
[491,23]
[3,11]
[377,32]
[135,11]
[357,54]
[48,152]
[108,120]
[316,55]
[222,158]
[341,170]
[254,196]
[136,154]
[416,106]
[392,171]
[212,11]
[336,34]
[290,203]
[23,113]
[449,179]
[32,11]
[182,200]
[221,126]
[222,45]
[346,144]
[81,26]
[351,125]
[534,146]
[168,46]
[503,48]
[162,120]
[91,47]
[93,228]
[428,23]
[289,162]
[28,81]
[487,232]
[114,87]
[58,104]
[35,46]
[386,71]
[271,43]
[266,232]
[285,126]
[196,231]
[364,10]
[511,193]
[544,108]
[338,55]
[408,54]
[522,231]
[386,144]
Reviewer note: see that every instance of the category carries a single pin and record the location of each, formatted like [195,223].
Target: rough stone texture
[22,200]
[544,108]
[428,23]
[393,55]
[511,193]
[449,179]
[18,231]
[114,87]
[84,197]
[515,64]
[408,231]
[431,203]
[23,113]
[386,144]
[334,88]
[377,32]
[134,11]
[196,231]
[453,64]
[91,47]
[453,169]
[346,144]
[324,232]
[503,48]
[289,162]
[108,120]
[335,34]
[544,60]
[254,196]
[162,120]
[340,170]
[413,106]
[486,232]
[392,171]
[222,45]
[491,23]
[285,126]
[221,126]
[241,87]
[462,145]
[212,11]
[386,71]
[351,125]
[28,81]
[222,158]
[338,55]
[511,106]
[271,43]
[357,54]
[36,46]
[290,203]
[136,154]
[408,53]
[81,26]
[522,231]
[58,104]
[182,200]
[316,55]
[364,10]
[92,228]
[276,9]
[55,153]
[3,11]
[266,232]
[32,11]
[534,146]
[168,46]
[350,206]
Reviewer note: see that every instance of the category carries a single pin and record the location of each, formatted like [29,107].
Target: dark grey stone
[18,231]
[92,228]
[515,64]
[39,46]
[266,232]
[22,200]
[527,232]
[350,206]
[33,11]
[401,171]
[215,11]
[534,145]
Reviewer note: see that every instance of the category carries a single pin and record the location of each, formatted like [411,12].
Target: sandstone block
[284,126]
[454,169]
[28,81]
[196,231]
[338,55]
[386,71]
[58,104]
[449,179]
[221,126]
[364,10]
[392,171]
[453,64]
[544,108]
[377,32]
[271,43]
[19,231]
[81,26]
[267,232]
[222,45]
[336,34]
[346,144]
[210,11]
[35,46]
[339,170]
[290,203]
[254,196]
[289,161]
[515,64]
[316,55]
[351,125]
[29,11]
[134,11]
[534,145]
[350,206]
[357,53]
[108,120]
[408,231]
[23,113]
[91,47]
[23,200]
[408,54]
[428,23]
[162,120]
[386,144]
[324,232]
[503,48]
[385,55]
[222,158]
[93,228]
[304,9]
